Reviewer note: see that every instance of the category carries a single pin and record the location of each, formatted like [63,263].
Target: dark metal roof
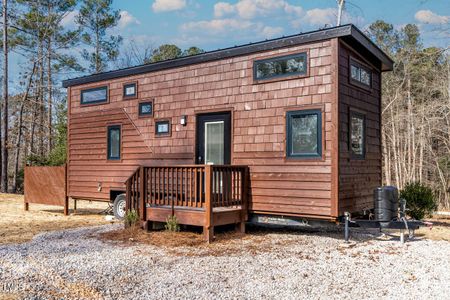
[349,32]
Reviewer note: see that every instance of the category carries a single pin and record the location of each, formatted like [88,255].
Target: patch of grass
[172,224]
[131,218]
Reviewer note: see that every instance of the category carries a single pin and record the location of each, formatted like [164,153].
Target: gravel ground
[76,264]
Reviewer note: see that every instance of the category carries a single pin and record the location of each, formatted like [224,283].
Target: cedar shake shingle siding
[307,187]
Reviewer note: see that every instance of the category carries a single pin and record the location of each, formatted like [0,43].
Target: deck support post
[74,205]
[208,229]
[142,189]
[244,205]
[240,227]
[208,233]
[66,206]
[26,206]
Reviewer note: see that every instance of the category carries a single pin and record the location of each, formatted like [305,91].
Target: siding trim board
[353,34]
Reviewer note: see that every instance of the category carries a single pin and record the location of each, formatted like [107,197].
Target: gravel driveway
[75,264]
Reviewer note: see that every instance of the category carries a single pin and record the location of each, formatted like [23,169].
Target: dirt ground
[18,226]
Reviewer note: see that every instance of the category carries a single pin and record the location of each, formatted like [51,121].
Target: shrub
[131,218]
[172,224]
[420,200]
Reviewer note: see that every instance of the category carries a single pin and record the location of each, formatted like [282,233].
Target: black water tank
[386,203]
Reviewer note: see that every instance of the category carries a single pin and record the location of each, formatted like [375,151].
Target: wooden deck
[199,195]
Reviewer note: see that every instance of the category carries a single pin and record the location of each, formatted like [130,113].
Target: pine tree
[95,17]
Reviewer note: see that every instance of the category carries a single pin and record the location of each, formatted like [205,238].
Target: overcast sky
[218,24]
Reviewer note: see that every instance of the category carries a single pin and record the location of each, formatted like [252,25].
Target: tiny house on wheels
[287,128]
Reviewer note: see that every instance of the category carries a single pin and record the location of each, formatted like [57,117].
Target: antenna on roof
[341,4]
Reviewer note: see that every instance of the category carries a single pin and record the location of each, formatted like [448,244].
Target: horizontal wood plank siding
[358,177]
[278,185]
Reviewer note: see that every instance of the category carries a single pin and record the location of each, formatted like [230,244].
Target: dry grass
[440,230]
[18,226]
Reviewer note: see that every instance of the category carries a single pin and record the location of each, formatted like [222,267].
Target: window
[145,109]
[304,133]
[114,142]
[129,90]
[95,95]
[280,66]
[357,137]
[162,127]
[360,74]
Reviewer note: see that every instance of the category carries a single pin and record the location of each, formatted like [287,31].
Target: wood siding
[358,177]
[278,185]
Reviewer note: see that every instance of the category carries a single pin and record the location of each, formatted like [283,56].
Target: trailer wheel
[120,207]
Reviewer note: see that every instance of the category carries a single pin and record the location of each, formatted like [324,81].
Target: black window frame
[141,104]
[125,86]
[360,66]
[108,150]
[158,122]
[354,155]
[82,101]
[299,113]
[276,58]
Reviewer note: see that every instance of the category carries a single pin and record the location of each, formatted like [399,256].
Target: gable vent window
[360,74]
[95,95]
[281,66]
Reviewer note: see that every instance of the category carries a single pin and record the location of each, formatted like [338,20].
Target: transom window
[114,142]
[360,74]
[95,95]
[280,66]
[357,138]
[146,108]
[304,133]
[129,90]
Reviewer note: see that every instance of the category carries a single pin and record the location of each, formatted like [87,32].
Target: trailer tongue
[390,213]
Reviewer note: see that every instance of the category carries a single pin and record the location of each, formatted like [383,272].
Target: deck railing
[194,187]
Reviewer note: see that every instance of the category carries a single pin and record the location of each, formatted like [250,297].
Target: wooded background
[415,112]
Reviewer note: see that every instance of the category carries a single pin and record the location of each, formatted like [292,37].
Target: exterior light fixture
[183,120]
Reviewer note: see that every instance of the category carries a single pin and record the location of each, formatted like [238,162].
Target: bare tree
[4,176]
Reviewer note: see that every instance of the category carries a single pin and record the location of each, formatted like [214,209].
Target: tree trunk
[4,177]
[41,98]
[49,93]
[19,133]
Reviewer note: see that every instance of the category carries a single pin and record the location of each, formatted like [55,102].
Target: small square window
[129,90]
[95,95]
[357,138]
[162,127]
[145,109]
[304,134]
